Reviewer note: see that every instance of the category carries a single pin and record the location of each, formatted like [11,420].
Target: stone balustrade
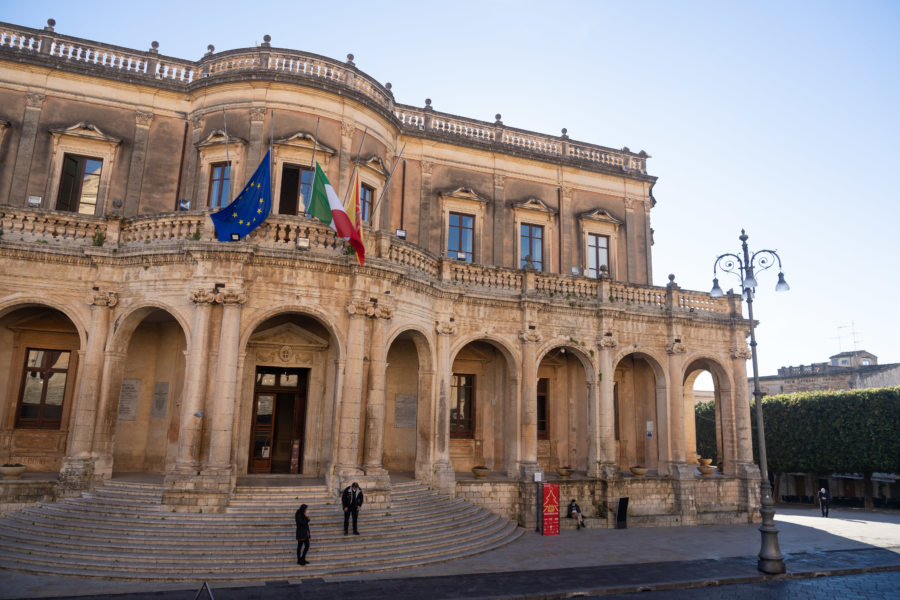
[105,57]
[72,230]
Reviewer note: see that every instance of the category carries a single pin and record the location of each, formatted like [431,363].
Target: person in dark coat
[352,501]
[574,512]
[824,499]
[303,535]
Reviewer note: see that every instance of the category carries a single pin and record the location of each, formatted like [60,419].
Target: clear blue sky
[778,117]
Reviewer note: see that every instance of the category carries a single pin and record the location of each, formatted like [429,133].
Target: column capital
[608,341]
[34,99]
[230,297]
[201,296]
[445,327]
[741,352]
[426,167]
[143,118]
[101,298]
[347,128]
[257,114]
[197,121]
[675,347]
[530,336]
[499,180]
[567,191]
[361,308]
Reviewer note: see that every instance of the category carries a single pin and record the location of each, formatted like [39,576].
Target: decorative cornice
[534,204]
[100,298]
[84,129]
[445,327]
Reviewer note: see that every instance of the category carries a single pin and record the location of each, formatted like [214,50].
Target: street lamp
[770,557]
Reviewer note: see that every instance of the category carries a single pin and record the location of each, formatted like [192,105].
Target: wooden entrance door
[279,419]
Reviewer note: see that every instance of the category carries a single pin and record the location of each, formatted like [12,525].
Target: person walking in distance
[352,501]
[303,536]
[824,499]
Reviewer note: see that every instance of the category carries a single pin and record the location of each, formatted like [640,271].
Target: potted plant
[706,470]
[639,470]
[704,461]
[480,471]
[565,471]
[12,471]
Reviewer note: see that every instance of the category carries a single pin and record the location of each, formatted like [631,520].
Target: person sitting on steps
[574,512]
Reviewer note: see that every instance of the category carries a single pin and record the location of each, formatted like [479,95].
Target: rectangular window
[462,406]
[543,397]
[219,184]
[296,186]
[598,254]
[461,237]
[366,194]
[531,249]
[43,388]
[79,184]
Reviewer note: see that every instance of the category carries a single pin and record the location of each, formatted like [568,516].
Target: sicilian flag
[249,209]
[326,206]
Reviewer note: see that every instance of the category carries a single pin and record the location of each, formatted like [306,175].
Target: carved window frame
[600,222]
[533,211]
[86,140]
[212,151]
[296,149]
[372,172]
[466,202]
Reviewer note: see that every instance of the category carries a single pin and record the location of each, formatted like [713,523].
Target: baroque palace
[504,316]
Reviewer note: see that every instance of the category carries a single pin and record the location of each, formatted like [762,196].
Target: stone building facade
[850,370]
[504,315]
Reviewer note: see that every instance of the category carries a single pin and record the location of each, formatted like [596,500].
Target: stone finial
[350,60]
[210,49]
[497,119]
[387,86]
[51,23]
[266,41]
[565,133]
[672,283]
[154,47]
[427,103]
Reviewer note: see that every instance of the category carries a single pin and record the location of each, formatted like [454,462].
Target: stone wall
[18,494]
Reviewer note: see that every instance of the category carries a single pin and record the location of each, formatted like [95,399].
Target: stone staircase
[121,531]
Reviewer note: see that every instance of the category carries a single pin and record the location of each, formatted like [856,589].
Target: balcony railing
[66,50]
[36,230]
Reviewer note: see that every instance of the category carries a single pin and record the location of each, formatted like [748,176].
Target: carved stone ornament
[203,297]
[499,180]
[98,298]
[609,342]
[530,336]
[257,114]
[445,328]
[567,192]
[143,118]
[284,353]
[675,348]
[347,128]
[629,203]
[197,121]
[742,352]
[231,297]
[34,99]
[361,308]
[426,167]
[384,312]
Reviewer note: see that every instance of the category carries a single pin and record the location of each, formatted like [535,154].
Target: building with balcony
[504,315]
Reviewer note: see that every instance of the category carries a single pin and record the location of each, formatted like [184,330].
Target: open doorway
[279,420]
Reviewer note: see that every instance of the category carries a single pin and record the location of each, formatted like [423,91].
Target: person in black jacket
[574,512]
[302,534]
[352,501]
[824,500]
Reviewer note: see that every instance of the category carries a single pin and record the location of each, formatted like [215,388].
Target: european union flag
[249,209]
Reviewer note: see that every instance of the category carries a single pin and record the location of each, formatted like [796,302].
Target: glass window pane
[34,386]
[268,379]
[466,243]
[92,166]
[35,358]
[58,360]
[56,387]
[289,380]
[264,407]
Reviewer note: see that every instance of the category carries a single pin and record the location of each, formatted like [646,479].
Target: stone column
[740,396]
[192,413]
[606,430]
[191,169]
[528,457]
[111,385]
[443,478]
[425,238]
[676,350]
[138,157]
[631,247]
[18,192]
[226,381]
[78,465]
[499,216]
[375,402]
[351,398]
[257,142]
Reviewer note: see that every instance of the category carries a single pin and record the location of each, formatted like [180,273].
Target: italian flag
[326,206]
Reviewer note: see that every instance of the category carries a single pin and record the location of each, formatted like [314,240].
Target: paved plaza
[855,549]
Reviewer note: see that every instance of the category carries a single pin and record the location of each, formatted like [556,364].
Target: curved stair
[121,531]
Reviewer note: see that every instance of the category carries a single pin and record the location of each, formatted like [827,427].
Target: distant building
[845,371]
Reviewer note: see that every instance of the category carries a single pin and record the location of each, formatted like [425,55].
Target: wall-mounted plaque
[405,411]
[160,400]
[128,399]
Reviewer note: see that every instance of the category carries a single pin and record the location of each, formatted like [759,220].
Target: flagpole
[355,166]
[386,182]
[227,159]
[315,147]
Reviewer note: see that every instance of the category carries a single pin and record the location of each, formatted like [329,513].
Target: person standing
[303,536]
[352,501]
[824,500]
[574,512]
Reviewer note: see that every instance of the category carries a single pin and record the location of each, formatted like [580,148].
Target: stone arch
[484,368]
[29,327]
[409,424]
[327,320]
[641,400]
[725,421]
[126,322]
[565,391]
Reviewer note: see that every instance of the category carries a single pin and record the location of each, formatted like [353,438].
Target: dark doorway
[279,420]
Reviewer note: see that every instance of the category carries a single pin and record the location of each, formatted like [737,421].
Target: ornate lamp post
[770,557]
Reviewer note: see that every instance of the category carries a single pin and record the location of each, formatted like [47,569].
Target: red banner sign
[550,509]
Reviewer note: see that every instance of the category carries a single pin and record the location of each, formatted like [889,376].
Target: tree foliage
[705,419]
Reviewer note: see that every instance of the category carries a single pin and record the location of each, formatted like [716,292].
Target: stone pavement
[583,563]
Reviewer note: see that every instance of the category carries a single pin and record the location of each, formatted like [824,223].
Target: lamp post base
[771,561]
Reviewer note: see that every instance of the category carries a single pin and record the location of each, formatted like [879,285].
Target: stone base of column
[748,492]
[75,476]
[443,479]
[608,471]
[206,492]
[527,471]
[103,466]
[684,486]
